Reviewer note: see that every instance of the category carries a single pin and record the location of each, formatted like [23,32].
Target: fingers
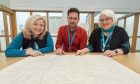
[119,52]
[33,53]
[63,53]
[60,52]
[109,53]
[80,52]
[36,53]
[29,49]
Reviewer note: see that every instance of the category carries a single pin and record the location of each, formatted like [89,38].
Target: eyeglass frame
[105,20]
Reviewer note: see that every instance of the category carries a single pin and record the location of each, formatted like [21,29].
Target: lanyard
[71,40]
[36,46]
[105,41]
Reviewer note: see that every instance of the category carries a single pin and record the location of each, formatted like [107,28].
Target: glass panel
[3,43]
[39,13]
[138,44]
[54,41]
[138,34]
[9,25]
[120,15]
[96,18]
[21,18]
[1,24]
[55,20]
[10,39]
[129,25]
[85,21]
[130,41]
[121,23]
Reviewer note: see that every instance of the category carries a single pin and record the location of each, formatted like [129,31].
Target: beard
[72,25]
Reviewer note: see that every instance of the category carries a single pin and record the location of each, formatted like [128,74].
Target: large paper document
[68,69]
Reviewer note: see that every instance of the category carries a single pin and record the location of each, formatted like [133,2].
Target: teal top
[15,47]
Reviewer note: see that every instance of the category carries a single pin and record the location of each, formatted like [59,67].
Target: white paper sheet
[68,69]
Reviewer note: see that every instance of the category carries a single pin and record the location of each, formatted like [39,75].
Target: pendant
[103,49]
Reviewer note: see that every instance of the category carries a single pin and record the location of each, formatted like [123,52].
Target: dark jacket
[118,39]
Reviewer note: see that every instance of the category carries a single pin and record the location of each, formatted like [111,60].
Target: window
[39,13]
[1,24]
[21,17]
[2,38]
[138,38]
[3,43]
[121,23]
[138,33]
[138,44]
[96,18]
[129,25]
[55,20]
[120,15]
[9,24]
[85,21]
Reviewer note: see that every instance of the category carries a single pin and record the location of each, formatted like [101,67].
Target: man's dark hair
[73,10]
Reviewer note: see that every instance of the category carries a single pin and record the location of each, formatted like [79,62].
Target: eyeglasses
[106,19]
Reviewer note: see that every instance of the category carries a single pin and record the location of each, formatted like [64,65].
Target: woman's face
[38,27]
[105,22]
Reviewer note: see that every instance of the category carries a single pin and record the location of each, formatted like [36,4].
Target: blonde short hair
[110,14]
[29,25]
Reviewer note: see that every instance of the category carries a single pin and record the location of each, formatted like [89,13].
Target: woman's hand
[31,52]
[109,53]
[115,52]
[36,53]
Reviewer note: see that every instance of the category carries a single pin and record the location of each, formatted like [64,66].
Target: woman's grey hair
[109,13]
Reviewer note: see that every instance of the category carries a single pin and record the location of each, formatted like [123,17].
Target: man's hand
[82,51]
[60,51]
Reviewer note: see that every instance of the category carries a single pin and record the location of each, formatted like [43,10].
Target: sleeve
[13,50]
[49,45]
[59,40]
[83,42]
[90,47]
[90,42]
[125,46]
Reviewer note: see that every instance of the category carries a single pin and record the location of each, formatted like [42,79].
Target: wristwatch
[116,51]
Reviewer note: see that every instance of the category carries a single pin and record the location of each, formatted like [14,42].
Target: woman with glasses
[110,39]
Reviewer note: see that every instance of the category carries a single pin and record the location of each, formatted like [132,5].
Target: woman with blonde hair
[110,39]
[34,40]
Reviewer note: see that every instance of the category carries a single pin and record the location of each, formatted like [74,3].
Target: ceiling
[83,5]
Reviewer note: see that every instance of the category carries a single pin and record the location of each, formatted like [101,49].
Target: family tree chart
[68,69]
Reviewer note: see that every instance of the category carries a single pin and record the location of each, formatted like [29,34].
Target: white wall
[83,5]
[4,2]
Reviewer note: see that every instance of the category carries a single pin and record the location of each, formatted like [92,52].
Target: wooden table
[131,60]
